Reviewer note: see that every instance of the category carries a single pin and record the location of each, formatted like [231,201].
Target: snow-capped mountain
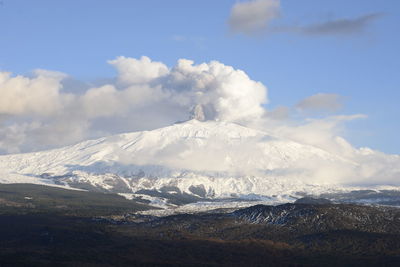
[207,159]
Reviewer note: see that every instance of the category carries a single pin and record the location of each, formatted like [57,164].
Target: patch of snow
[222,160]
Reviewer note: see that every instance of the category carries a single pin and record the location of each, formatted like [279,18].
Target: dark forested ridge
[42,226]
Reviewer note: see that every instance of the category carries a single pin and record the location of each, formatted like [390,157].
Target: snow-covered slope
[205,159]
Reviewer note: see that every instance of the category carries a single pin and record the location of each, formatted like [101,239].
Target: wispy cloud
[179,38]
[196,41]
[343,26]
[253,17]
[321,102]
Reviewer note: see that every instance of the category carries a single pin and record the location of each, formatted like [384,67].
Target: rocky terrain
[45,226]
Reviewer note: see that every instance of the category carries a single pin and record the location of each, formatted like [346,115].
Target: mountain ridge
[220,159]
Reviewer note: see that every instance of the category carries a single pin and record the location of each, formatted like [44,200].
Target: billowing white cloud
[322,133]
[13,136]
[358,167]
[146,94]
[102,102]
[138,71]
[26,96]
[224,93]
[37,113]
[252,17]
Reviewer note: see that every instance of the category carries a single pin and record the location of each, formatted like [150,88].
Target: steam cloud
[40,112]
[37,112]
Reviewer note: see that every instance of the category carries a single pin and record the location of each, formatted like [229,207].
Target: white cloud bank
[37,112]
[225,93]
[39,95]
[146,94]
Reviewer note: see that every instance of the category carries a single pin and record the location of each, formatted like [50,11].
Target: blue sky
[363,66]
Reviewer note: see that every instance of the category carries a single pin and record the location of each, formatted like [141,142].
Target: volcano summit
[200,159]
